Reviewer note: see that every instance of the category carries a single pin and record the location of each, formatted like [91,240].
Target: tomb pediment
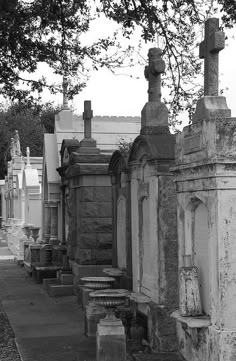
[68,146]
[158,146]
[118,166]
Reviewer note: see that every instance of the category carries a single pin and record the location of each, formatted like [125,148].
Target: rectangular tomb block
[111,343]
[93,315]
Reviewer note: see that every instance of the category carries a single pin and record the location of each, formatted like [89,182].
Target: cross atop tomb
[28,165]
[87,117]
[214,42]
[88,144]
[65,90]
[153,74]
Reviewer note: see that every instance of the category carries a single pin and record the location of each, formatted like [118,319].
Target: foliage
[34,31]
[47,31]
[124,146]
[177,26]
[31,124]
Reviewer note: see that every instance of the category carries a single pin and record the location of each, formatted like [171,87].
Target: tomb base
[80,271]
[224,344]
[211,107]
[154,114]
[160,328]
[111,341]
[83,295]
[93,315]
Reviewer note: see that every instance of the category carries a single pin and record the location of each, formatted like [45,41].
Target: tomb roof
[154,146]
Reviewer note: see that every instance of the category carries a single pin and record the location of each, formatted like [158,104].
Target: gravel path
[8,349]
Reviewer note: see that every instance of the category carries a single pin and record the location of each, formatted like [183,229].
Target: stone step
[50,281]
[55,290]
[66,279]
[160,356]
[59,272]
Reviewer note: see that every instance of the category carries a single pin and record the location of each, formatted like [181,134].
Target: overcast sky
[122,95]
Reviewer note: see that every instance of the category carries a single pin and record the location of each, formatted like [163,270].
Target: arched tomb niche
[197,245]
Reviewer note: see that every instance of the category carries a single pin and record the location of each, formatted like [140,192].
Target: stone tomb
[87,192]
[31,189]
[153,215]
[206,193]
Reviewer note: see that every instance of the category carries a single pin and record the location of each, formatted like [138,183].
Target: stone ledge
[192,322]
[114,272]
[139,297]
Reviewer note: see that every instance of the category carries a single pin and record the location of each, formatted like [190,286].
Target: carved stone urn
[27,230]
[35,233]
[98,283]
[110,299]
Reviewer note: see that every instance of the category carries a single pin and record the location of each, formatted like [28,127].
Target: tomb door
[121,233]
[201,252]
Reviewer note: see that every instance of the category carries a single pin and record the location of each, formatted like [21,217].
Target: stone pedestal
[211,107]
[34,250]
[93,314]
[46,255]
[58,252]
[83,295]
[27,250]
[111,341]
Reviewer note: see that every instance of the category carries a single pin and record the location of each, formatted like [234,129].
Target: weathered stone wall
[206,174]
[94,229]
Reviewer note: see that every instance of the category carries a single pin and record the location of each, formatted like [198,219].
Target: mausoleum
[206,197]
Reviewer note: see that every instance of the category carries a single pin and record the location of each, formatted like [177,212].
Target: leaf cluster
[47,31]
[31,124]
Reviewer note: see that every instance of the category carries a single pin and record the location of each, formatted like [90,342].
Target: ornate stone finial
[28,165]
[209,49]
[17,143]
[87,117]
[153,74]
[65,90]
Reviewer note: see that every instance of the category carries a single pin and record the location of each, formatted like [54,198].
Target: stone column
[63,210]
[54,223]
[114,223]
[47,222]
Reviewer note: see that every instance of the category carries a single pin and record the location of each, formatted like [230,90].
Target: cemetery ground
[35,327]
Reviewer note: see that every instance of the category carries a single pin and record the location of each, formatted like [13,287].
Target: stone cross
[28,158]
[65,89]
[87,117]
[153,74]
[214,42]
